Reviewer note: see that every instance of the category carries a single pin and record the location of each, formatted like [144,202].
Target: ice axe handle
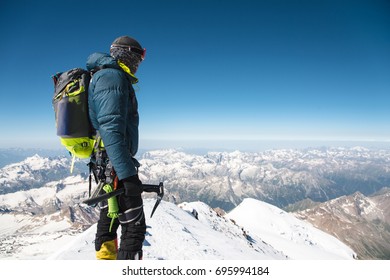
[95,200]
[159,189]
[154,188]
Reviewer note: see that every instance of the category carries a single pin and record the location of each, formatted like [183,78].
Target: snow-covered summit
[194,231]
[295,238]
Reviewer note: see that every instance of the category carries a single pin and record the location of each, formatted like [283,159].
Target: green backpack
[70,103]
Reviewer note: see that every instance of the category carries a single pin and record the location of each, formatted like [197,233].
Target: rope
[113,207]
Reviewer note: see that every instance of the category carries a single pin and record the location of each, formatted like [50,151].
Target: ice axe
[158,189]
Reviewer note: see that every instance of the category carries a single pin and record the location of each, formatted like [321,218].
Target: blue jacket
[113,111]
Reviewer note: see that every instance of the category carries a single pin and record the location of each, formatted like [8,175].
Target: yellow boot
[108,251]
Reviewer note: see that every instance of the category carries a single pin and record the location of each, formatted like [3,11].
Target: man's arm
[110,100]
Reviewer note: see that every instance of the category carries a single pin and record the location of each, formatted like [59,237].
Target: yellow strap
[77,92]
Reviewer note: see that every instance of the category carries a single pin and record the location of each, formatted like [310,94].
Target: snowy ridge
[175,234]
[297,239]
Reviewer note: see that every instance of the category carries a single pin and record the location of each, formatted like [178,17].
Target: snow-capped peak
[194,231]
[295,238]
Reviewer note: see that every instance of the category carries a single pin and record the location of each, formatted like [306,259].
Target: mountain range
[361,222]
[14,155]
[40,200]
[279,177]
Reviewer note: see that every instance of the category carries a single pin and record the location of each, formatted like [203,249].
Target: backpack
[70,103]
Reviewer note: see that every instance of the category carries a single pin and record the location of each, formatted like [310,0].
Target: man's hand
[133,186]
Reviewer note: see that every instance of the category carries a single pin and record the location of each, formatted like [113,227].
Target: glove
[132,185]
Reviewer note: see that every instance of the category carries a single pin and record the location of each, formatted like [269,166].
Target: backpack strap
[72,164]
[96,147]
[97,142]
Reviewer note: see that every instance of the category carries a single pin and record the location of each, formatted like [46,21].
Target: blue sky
[216,72]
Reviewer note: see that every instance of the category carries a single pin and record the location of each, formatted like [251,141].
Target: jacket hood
[100,59]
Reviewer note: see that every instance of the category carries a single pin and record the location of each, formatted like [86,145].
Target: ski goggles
[141,52]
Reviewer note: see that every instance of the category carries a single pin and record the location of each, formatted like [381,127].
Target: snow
[31,230]
[261,231]
[173,233]
[43,195]
[296,238]
[32,242]
[12,223]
